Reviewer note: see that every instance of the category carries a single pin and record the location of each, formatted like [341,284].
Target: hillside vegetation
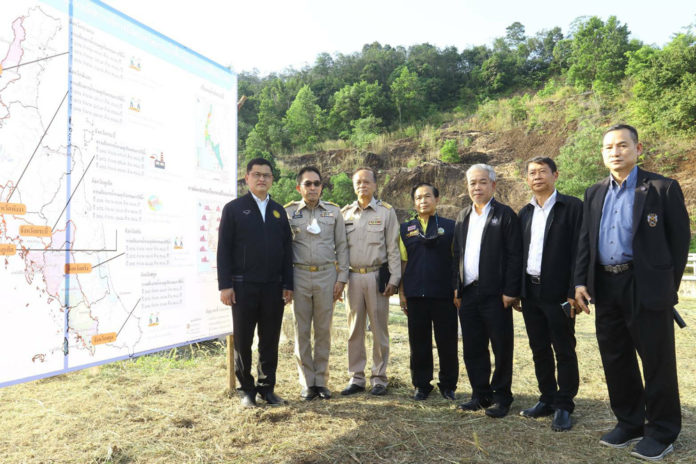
[426,113]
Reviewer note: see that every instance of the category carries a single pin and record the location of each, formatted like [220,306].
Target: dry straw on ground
[172,408]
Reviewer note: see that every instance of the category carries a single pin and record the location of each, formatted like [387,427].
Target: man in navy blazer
[632,251]
[255,276]
[486,278]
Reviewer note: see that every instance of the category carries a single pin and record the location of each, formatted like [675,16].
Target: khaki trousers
[313,305]
[364,299]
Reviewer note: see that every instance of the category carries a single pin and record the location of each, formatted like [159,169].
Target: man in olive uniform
[320,261]
[372,230]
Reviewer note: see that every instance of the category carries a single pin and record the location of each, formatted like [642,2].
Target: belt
[364,270]
[616,268]
[306,267]
[534,279]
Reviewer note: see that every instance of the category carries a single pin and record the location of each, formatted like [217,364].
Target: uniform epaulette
[385,204]
[331,203]
[346,207]
[289,203]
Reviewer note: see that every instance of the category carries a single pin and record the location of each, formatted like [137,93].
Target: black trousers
[484,319]
[426,315]
[624,327]
[551,332]
[258,304]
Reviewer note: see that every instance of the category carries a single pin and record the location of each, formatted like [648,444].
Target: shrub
[449,153]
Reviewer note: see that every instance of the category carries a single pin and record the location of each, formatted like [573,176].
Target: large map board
[117,153]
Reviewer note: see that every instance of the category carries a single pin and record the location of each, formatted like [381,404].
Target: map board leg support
[230,364]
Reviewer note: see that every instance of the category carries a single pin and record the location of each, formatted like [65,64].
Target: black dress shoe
[309,393]
[272,399]
[421,394]
[561,421]
[378,390]
[352,389]
[540,409]
[497,411]
[620,438]
[323,392]
[650,449]
[248,400]
[474,404]
[447,394]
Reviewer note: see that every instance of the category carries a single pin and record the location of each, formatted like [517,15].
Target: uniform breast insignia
[440,231]
[327,214]
[246,211]
[413,233]
[495,221]
[297,215]
[411,227]
[652,219]
[276,214]
[375,222]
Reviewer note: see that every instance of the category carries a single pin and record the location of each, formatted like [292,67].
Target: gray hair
[482,167]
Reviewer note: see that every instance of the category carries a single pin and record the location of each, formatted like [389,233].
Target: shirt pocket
[375,233]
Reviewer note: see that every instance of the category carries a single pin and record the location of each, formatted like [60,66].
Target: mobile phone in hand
[565,306]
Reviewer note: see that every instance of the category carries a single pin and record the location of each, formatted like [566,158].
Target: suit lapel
[639,199]
[597,205]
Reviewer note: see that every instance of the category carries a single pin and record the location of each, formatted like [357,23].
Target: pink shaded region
[15,52]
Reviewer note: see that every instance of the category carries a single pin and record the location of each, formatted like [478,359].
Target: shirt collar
[320,204]
[258,200]
[629,183]
[548,204]
[486,209]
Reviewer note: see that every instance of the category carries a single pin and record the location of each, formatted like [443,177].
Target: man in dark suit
[632,251]
[254,259]
[550,224]
[486,276]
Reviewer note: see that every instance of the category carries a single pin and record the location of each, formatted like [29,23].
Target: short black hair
[436,192]
[374,174]
[632,130]
[542,160]
[258,162]
[307,169]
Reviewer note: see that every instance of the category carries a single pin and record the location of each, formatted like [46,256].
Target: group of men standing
[624,249]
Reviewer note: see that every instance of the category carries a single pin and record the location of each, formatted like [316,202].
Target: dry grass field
[173,408]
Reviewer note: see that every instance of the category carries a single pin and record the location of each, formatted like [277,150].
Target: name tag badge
[412,234]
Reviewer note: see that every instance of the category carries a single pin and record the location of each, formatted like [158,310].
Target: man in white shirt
[550,225]
[487,260]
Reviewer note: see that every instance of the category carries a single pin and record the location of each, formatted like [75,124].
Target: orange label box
[101,339]
[78,268]
[35,231]
[13,208]
[7,249]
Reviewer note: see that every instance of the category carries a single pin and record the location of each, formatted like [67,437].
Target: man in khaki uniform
[320,261]
[373,240]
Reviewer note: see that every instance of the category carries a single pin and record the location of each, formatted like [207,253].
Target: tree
[341,191]
[598,54]
[406,93]
[580,160]
[303,120]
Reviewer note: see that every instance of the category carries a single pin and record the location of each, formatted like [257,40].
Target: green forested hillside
[562,85]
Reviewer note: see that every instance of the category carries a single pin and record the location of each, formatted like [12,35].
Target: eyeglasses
[309,183]
[261,175]
[431,239]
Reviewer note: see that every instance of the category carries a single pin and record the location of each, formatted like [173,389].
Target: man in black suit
[486,275]
[632,251]
[254,259]
[550,224]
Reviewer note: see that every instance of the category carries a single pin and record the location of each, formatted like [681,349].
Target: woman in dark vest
[426,293]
